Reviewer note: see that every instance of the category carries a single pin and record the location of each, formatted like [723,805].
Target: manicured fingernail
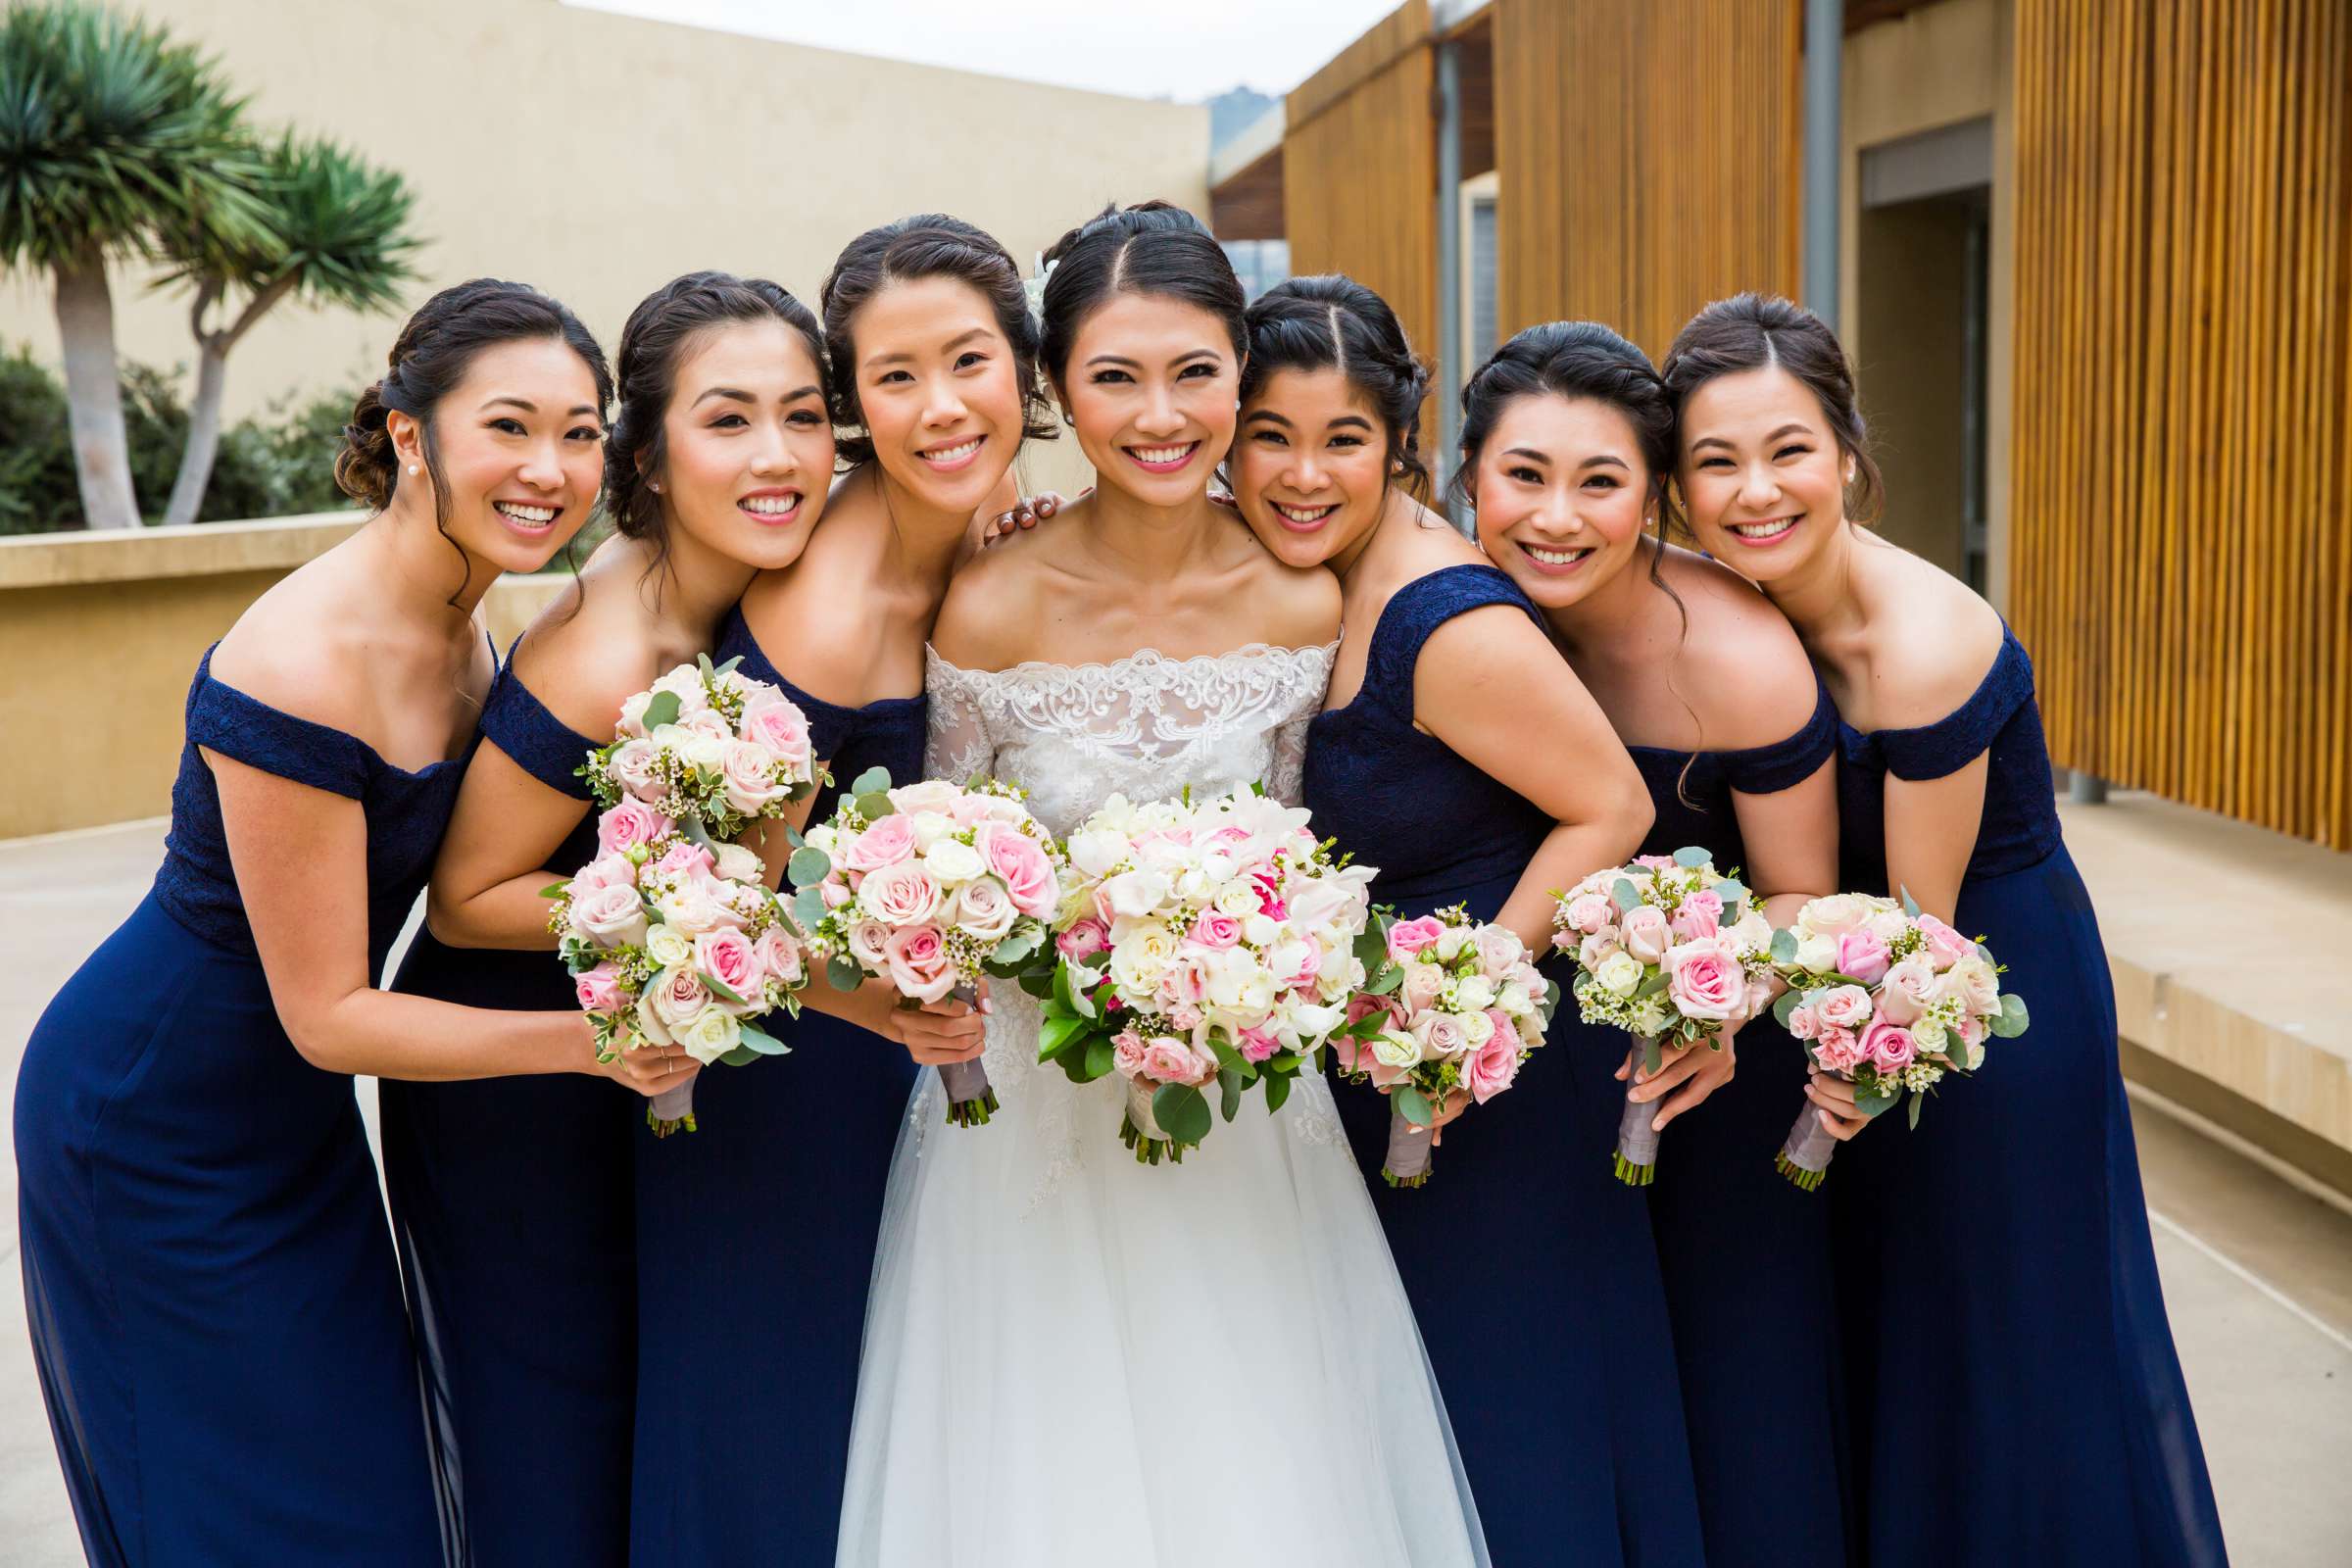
[1658,1124]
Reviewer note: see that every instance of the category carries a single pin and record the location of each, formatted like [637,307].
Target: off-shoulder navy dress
[755,1243]
[517,1219]
[1570,1424]
[215,1307]
[1745,1254]
[2017,1399]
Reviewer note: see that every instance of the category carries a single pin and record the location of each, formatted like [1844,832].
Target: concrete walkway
[2257,1272]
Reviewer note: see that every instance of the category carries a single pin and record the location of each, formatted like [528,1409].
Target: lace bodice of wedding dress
[1065,1349]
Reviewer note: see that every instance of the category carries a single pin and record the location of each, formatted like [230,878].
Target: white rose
[984,910]
[1817,955]
[667,946]
[690,907]
[1398,1051]
[736,863]
[1451,943]
[1752,935]
[632,715]
[951,860]
[1928,1033]
[930,827]
[1477,1028]
[1618,974]
[1514,1000]
[713,1032]
[1474,993]
[1140,956]
[825,837]
[1238,898]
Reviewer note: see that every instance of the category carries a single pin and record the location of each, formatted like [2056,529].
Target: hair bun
[366,467]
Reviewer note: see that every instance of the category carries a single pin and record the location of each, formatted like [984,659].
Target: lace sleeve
[957,744]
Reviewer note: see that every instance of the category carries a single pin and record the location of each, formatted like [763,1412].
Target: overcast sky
[1187,52]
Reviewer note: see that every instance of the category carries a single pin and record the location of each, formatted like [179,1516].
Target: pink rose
[747,772]
[1021,863]
[779,957]
[1216,930]
[1655,862]
[609,916]
[886,843]
[780,727]
[611,871]
[599,990]
[1597,947]
[1491,1067]
[984,910]
[1704,982]
[1127,1052]
[631,766]
[1908,988]
[1256,1044]
[1946,946]
[1441,1036]
[1184,1015]
[1083,941]
[1647,933]
[628,824]
[900,894]
[1407,938]
[1587,913]
[687,858]
[1862,954]
[1170,1060]
[1837,1050]
[1972,1029]
[926,795]
[1499,950]
[1843,1007]
[1889,1046]
[725,954]
[869,941]
[677,997]
[918,963]
[1698,917]
[1422,984]
[1803,1024]
[1974,982]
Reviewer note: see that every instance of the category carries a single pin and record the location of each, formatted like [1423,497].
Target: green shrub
[276,466]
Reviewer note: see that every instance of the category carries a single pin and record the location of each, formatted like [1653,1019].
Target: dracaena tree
[337,235]
[111,132]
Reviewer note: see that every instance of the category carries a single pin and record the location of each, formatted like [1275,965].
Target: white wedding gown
[1074,1359]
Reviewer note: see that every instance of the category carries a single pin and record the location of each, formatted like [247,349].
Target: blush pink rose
[725,954]
[1700,914]
[1946,946]
[926,795]
[687,858]
[1647,934]
[984,910]
[1908,988]
[747,772]
[900,894]
[1493,1066]
[918,963]
[1083,940]
[1705,981]
[1803,1024]
[1597,947]
[630,825]
[1843,1007]
[1127,1052]
[1889,1045]
[1863,954]
[869,941]
[677,997]
[1021,863]
[780,727]
[1184,1015]
[1655,862]
[1441,1036]
[599,990]
[1407,938]
[1422,984]
[1498,951]
[608,872]
[779,957]
[886,843]
[1216,930]
[1587,913]
[609,916]
[631,766]
[1170,1060]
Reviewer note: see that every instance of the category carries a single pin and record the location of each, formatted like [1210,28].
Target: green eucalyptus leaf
[1874,1101]
[1014,949]
[718,988]
[1413,1104]
[739,1056]
[662,710]
[2014,1019]
[872,781]
[841,972]
[1784,947]
[1910,903]
[808,909]
[763,1043]
[807,866]
[1627,897]
[874,805]
[1917,1100]
[1182,1112]
[1790,1001]
[729,669]
[1692,856]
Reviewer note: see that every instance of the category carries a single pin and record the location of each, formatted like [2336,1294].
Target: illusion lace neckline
[1141,658]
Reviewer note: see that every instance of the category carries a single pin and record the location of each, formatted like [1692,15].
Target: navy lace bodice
[1403,800]
[406,813]
[887,733]
[1693,790]
[2020,825]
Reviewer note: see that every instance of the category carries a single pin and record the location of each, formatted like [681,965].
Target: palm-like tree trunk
[85,325]
[211,378]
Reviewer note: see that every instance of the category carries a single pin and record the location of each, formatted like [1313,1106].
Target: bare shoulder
[997,601]
[1742,667]
[307,648]
[1933,642]
[1286,606]
[586,654]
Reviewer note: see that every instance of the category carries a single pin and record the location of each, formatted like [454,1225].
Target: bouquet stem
[1637,1142]
[672,1109]
[1805,1157]
[1140,1130]
[1407,1164]
[971,1100]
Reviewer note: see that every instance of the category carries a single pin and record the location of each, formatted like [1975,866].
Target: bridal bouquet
[1888,998]
[1456,1006]
[705,753]
[929,886]
[707,746]
[1206,943]
[673,942]
[1670,950]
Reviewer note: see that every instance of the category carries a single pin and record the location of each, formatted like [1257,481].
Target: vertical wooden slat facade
[2182,553]
[1648,156]
[1360,171]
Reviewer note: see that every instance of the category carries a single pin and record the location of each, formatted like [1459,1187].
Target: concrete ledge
[200,550]
[2232,995]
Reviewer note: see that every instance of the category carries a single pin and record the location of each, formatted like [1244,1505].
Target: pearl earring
[411,467]
[657,487]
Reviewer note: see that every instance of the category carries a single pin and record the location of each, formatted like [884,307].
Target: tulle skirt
[1072,1359]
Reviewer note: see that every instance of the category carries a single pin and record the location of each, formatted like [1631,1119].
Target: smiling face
[747,443]
[940,389]
[1150,387]
[518,447]
[1309,468]
[1761,472]
[1563,495]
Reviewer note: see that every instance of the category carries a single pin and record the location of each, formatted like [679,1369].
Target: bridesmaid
[2016,1392]
[773,1207]
[1568,444]
[215,1305]
[519,1190]
[1421,764]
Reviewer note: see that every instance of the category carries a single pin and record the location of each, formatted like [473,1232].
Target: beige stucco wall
[598,156]
[100,633]
[1938,66]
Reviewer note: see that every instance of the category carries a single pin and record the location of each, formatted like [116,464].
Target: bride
[1071,1358]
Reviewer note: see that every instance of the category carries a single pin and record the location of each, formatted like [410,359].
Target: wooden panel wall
[1648,156]
[1360,181]
[2182,485]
